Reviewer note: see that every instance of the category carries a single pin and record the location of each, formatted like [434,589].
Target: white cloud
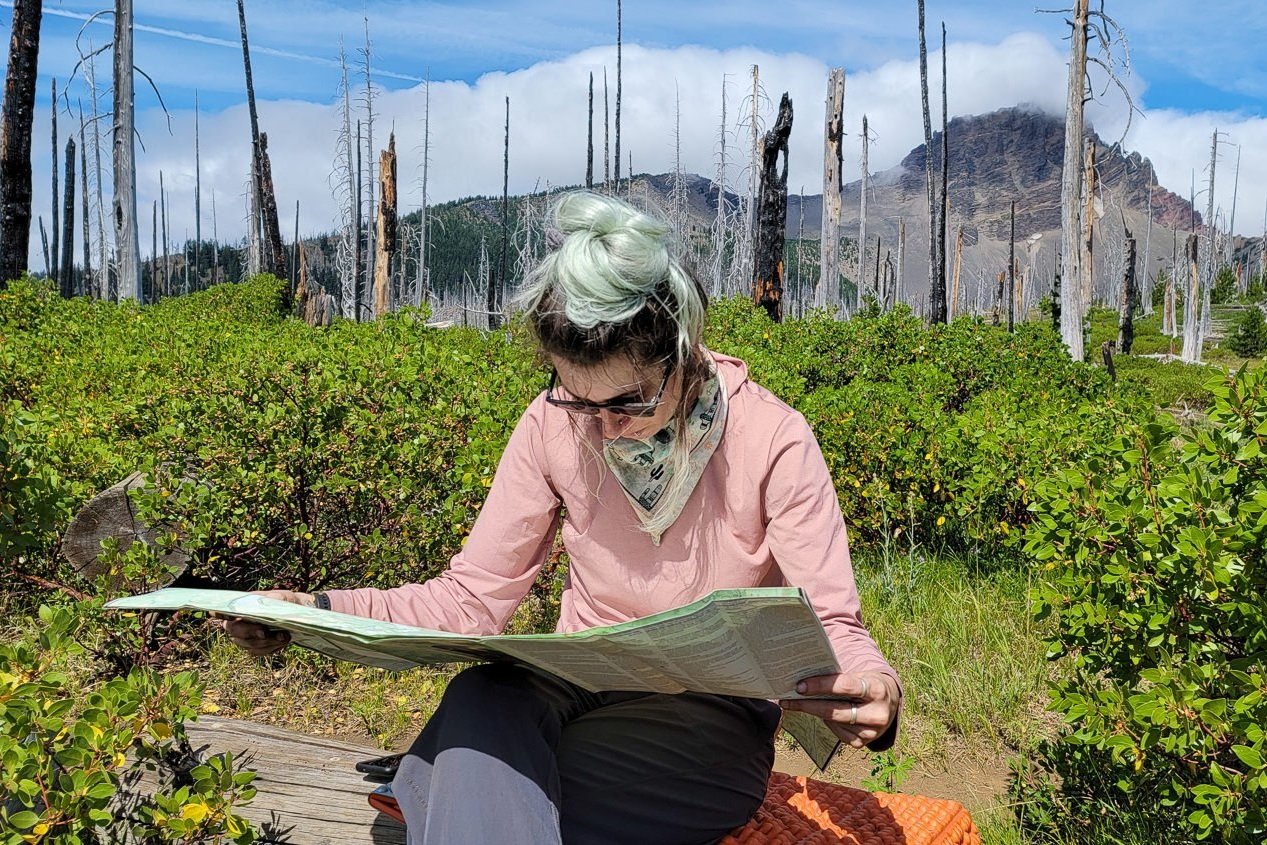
[548,102]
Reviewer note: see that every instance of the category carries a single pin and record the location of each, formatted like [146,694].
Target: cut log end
[112,514]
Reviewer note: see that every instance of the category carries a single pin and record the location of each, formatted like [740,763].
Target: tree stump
[112,514]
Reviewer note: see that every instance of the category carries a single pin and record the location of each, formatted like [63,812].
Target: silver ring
[866,689]
[853,715]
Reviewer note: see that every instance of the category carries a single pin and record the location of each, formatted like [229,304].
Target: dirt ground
[975,784]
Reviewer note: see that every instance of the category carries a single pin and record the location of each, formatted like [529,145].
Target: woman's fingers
[256,638]
[846,714]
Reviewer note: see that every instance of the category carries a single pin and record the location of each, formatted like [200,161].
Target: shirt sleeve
[507,546]
[806,534]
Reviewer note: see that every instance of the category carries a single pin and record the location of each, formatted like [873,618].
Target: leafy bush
[1155,554]
[71,756]
[283,455]
[1249,338]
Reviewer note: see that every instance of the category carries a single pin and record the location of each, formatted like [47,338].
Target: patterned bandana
[645,467]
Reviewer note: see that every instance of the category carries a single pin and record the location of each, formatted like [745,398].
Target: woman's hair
[612,285]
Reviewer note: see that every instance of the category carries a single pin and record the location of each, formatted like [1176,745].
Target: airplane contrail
[217,42]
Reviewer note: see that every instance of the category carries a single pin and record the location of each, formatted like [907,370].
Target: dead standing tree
[66,279]
[772,214]
[273,258]
[15,139]
[827,290]
[937,297]
[1126,304]
[126,232]
[1085,25]
[385,262]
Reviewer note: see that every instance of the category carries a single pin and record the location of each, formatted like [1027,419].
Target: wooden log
[772,214]
[309,791]
[112,514]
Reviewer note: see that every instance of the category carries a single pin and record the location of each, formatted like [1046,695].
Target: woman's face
[619,377]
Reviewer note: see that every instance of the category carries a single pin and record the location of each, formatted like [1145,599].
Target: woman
[670,475]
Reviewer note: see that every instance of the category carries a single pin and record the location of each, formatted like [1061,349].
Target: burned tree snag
[66,281]
[15,139]
[937,299]
[589,144]
[274,252]
[772,214]
[385,243]
[1072,306]
[1126,305]
[829,239]
[55,197]
[127,242]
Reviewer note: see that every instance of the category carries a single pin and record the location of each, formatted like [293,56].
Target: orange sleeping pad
[800,811]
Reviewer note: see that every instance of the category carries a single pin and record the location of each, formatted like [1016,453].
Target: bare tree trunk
[66,280]
[15,139]
[607,162]
[1011,270]
[862,218]
[385,264]
[88,285]
[371,232]
[943,206]
[275,251]
[167,265]
[294,254]
[215,241]
[899,284]
[155,291]
[589,139]
[1088,228]
[126,236]
[828,289]
[772,215]
[1211,251]
[197,195]
[1231,224]
[937,300]
[48,265]
[619,45]
[953,305]
[721,223]
[1192,305]
[358,282]
[256,170]
[424,275]
[1146,296]
[55,197]
[1126,305]
[493,302]
[1072,307]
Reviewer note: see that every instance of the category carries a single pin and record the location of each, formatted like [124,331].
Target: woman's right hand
[261,640]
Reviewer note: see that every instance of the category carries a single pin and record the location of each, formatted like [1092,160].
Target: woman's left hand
[860,708]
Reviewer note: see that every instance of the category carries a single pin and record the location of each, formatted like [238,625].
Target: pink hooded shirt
[763,514]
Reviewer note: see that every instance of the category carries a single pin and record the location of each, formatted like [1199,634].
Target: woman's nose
[614,425]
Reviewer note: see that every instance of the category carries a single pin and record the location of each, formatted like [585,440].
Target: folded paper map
[755,643]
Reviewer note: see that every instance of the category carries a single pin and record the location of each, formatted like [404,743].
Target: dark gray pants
[514,755]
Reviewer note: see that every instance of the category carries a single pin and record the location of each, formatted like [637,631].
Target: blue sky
[1194,67]
[1194,57]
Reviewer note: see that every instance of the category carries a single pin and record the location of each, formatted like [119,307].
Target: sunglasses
[628,405]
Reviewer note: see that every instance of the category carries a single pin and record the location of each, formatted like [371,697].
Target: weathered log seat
[309,794]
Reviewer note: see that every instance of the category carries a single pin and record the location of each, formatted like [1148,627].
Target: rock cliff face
[1016,154]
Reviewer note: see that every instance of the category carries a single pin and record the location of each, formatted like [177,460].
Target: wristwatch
[321,601]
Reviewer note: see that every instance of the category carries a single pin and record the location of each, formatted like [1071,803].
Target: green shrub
[1155,554]
[71,755]
[1249,338]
